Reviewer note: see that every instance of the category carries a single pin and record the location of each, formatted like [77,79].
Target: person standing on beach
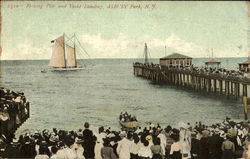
[54,151]
[163,140]
[215,142]
[89,142]
[124,147]
[156,149]
[12,150]
[204,145]
[185,140]
[27,150]
[87,133]
[135,146]
[175,150]
[169,141]
[69,150]
[195,143]
[78,149]
[61,153]
[145,151]
[233,132]
[246,146]
[228,148]
[107,151]
[42,154]
[99,143]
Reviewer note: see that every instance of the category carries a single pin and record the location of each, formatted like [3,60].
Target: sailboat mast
[146,53]
[64,50]
[165,50]
[212,53]
[248,34]
[248,31]
[75,49]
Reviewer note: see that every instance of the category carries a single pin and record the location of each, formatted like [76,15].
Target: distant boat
[43,71]
[64,54]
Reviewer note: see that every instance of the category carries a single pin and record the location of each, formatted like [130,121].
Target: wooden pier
[218,83]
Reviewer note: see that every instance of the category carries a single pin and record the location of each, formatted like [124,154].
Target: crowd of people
[210,71]
[216,71]
[13,110]
[226,140]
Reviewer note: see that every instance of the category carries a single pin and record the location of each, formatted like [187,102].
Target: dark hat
[86,125]
[60,144]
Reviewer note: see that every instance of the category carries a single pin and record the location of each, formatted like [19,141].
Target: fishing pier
[179,71]
[197,80]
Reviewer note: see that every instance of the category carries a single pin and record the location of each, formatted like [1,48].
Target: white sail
[71,56]
[58,55]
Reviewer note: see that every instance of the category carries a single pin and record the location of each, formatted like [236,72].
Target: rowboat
[129,124]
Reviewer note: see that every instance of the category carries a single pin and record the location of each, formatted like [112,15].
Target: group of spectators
[209,70]
[212,71]
[226,140]
[14,109]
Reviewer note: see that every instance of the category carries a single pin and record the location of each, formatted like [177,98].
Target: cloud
[107,47]
[25,50]
[181,45]
[123,46]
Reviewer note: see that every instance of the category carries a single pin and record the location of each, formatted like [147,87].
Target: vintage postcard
[128,79]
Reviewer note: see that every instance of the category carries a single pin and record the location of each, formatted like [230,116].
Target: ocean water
[65,100]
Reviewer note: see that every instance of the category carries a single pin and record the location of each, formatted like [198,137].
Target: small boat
[128,121]
[64,54]
[129,124]
[43,71]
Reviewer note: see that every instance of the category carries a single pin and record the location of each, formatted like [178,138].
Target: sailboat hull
[70,69]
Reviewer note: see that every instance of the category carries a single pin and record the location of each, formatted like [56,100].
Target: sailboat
[64,54]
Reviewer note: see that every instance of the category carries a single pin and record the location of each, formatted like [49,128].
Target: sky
[192,28]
